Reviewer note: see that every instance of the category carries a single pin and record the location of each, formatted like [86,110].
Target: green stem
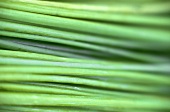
[51,35]
[37,56]
[15,46]
[92,15]
[153,7]
[55,100]
[38,89]
[123,66]
[86,53]
[43,109]
[128,32]
[84,72]
[120,52]
[75,80]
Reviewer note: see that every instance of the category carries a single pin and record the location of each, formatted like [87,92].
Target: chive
[42,109]
[114,17]
[37,56]
[101,92]
[156,7]
[15,46]
[83,72]
[84,56]
[57,34]
[113,66]
[139,56]
[52,100]
[89,27]
[72,80]
[38,89]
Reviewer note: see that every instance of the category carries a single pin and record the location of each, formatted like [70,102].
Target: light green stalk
[118,31]
[58,100]
[92,15]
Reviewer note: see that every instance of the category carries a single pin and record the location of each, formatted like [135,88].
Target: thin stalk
[92,15]
[57,34]
[37,56]
[153,7]
[66,109]
[55,100]
[123,66]
[55,47]
[84,72]
[127,32]
[96,91]
[62,48]
[120,52]
[4,110]
[38,89]
[21,47]
[75,80]
[43,109]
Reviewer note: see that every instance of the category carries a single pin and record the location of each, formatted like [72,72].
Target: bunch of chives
[84,56]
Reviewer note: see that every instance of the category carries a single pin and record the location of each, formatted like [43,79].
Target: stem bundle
[84,56]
